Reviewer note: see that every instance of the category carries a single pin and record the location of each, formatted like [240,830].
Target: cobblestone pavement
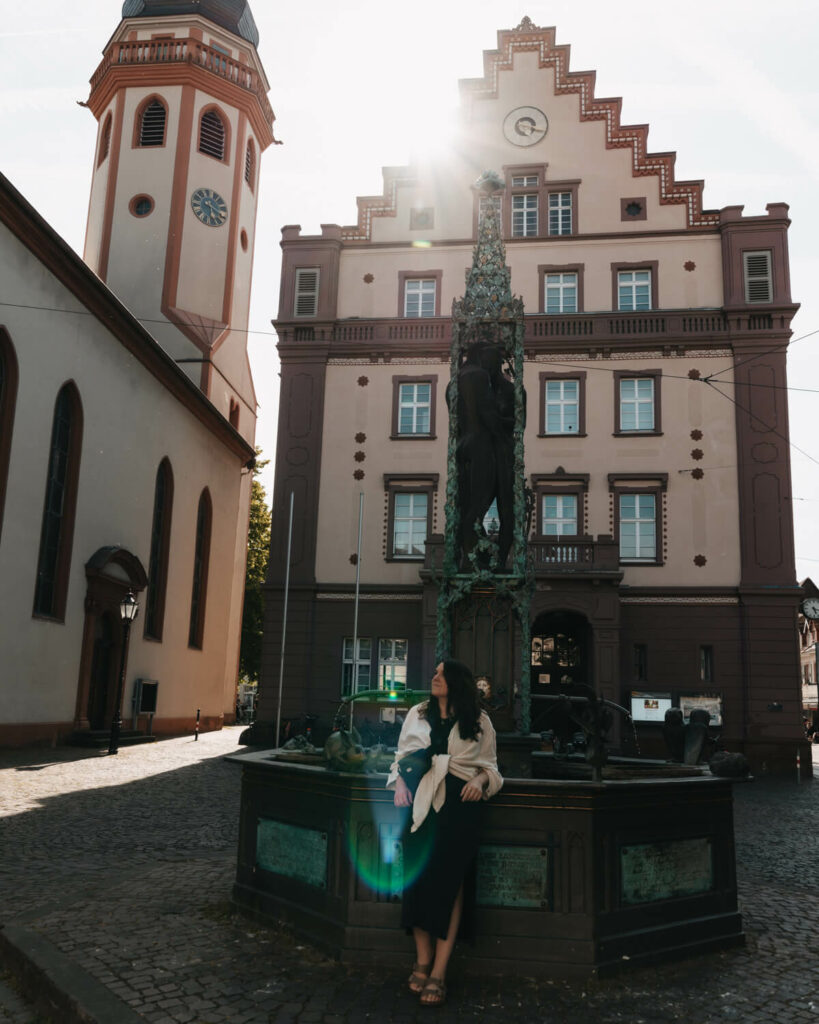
[116,875]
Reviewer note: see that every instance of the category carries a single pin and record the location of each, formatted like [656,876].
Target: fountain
[587,862]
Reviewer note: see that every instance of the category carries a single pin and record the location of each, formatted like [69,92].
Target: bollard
[798,765]
[196,734]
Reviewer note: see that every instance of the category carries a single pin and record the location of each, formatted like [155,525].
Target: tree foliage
[258,552]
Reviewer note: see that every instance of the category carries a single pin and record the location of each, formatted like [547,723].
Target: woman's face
[438,685]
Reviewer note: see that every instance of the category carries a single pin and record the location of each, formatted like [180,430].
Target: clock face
[810,607]
[209,207]
[524,126]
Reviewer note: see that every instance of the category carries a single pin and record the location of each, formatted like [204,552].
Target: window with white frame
[414,408]
[633,290]
[524,215]
[758,277]
[560,293]
[559,518]
[524,181]
[392,664]
[562,407]
[560,213]
[356,668]
[409,529]
[419,297]
[638,527]
[636,403]
[307,291]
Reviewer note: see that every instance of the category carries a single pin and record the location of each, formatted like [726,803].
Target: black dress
[440,856]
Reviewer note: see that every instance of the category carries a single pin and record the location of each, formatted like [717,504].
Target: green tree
[258,552]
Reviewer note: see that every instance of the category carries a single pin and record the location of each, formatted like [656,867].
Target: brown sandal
[418,979]
[435,989]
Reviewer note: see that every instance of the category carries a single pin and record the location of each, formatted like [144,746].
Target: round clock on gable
[524,126]
[810,607]
[209,207]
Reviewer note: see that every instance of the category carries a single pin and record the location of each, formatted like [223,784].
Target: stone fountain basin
[575,878]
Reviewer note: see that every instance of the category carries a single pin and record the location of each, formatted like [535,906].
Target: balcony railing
[556,555]
[599,329]
[185,51]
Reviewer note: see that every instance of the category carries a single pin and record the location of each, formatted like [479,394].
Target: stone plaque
[513,876]
[663,871]
[292,851]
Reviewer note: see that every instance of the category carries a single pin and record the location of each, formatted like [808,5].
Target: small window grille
[307,288]
[152,125]
[212,135]
[758,279]
[250,164]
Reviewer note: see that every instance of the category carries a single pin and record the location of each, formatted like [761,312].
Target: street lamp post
[128,609]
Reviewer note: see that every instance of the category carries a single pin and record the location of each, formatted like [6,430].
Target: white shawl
[464,758]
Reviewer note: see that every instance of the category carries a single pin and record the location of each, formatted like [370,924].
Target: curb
[57,987]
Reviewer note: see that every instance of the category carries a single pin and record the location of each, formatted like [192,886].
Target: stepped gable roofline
[54,253]
[530,37]
[234,15]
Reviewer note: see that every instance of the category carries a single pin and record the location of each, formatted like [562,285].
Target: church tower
[181,101]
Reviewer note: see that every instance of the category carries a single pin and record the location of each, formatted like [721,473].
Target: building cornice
[59,258]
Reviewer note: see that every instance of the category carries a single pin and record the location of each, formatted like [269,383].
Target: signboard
[712,702]
[513,876]
[649,707]
[292,851]
[667,870]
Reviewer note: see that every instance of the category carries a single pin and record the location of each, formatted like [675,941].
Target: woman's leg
[443,951]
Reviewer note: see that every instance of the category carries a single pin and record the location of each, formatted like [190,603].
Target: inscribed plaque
[513,876]
[663,871]
[292,851]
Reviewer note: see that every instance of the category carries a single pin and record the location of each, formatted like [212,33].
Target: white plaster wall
[130,423]
[99,190]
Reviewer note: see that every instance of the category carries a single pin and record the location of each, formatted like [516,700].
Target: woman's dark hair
[463,700]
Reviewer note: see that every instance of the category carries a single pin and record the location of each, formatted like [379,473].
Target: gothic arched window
[250,165]
[8,399]
[57,531]
[201,558]
[160,551]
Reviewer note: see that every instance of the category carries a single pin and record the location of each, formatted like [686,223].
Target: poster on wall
[649,707]
[712,702]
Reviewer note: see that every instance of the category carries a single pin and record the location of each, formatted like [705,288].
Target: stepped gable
[530,37]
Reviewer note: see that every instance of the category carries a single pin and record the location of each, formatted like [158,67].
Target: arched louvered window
[8,399]
[152,124]
[201,558]
[160,551]
[250,165]
[105,140]
[57,532]
[212,135]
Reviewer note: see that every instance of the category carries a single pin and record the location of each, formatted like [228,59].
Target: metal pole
[116,724]
[355,614]
[196,732]
[284,620]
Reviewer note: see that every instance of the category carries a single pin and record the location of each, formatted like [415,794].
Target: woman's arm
[403,794]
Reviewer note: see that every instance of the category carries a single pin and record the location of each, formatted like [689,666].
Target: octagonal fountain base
[575,878]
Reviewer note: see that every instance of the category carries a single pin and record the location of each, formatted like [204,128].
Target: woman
[441,844]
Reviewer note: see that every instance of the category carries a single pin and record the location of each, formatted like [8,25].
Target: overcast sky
[730,86]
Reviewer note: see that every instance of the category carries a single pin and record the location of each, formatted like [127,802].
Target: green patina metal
[292,851]
[488,312]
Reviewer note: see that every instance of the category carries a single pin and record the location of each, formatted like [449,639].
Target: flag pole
[284,620]
[354,686]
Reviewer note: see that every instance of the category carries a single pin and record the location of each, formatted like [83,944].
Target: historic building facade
[126,401]
[656,445]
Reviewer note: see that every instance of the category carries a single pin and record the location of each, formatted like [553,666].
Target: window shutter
[307,286]
[758,277]
[152,126]
[212,135]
